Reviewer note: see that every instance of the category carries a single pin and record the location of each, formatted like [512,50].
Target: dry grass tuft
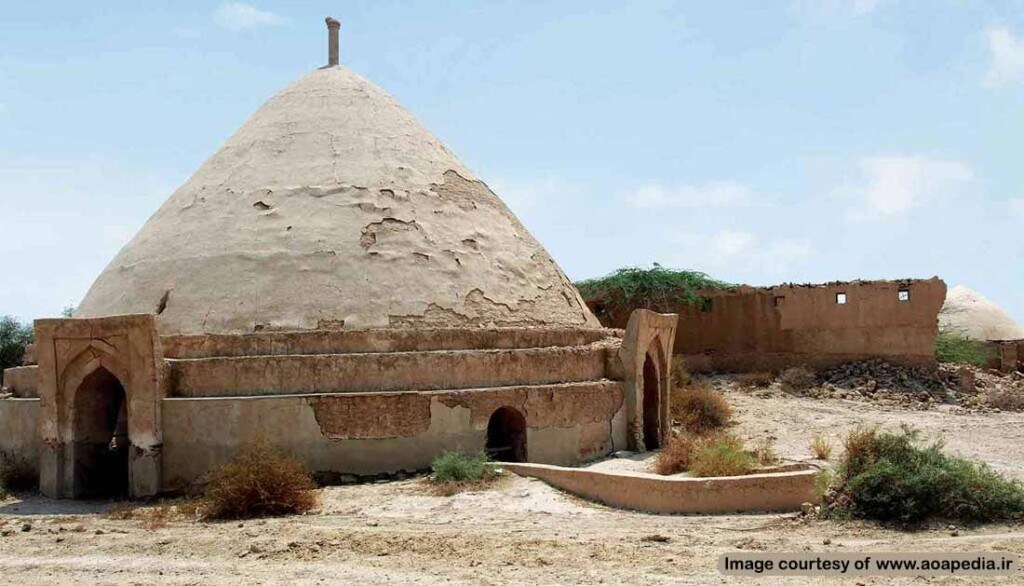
[755,380]
[675,457]
[797,379]
[721,455]
[259,482]
[764,451]
[821,448]
[699,408]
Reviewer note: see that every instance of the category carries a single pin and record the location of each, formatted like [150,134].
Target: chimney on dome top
[333,26]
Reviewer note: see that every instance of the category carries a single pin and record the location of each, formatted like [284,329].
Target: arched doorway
[651,405]
[100,437]
[506,435]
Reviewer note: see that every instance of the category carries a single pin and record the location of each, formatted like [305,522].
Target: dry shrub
[681,377]
[721,455]
[764,451]
[717,454]
[17,474]
[699,408]
[260,481]
[821,448]
[675,457]
[1006,398]
[797,379]
[755,380]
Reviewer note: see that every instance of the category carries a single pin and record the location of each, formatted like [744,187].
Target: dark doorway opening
[506,436]
[652,404]
[100,437]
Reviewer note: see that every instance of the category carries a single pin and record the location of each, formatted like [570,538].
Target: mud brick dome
[333,207]
[333,281]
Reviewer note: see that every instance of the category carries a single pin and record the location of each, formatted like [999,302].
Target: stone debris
[961,387]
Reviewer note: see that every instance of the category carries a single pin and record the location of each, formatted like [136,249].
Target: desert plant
[675,457]
[17,474]
[699,408]
[459,467]
[657,288]
[14,338]
[797,379]
[721,455]
[259,481]
[952,347]
[764,451]
[892,476]
[681,376]
[821,448]
[755,380]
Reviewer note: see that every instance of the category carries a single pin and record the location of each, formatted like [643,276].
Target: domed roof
[969,313]
[333,207]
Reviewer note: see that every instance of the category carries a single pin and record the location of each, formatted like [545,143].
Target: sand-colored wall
[770,328]
[352,341]
[397,371]
[784,491]
[22,381]
[366,434]
[19,428]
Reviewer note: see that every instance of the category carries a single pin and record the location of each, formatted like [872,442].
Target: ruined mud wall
[367,434]
[760,329]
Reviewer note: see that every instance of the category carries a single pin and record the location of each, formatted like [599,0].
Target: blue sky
[762,142]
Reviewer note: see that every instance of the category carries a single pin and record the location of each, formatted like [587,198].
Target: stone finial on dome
[333,25]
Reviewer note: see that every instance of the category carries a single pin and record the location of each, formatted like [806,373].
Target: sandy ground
[520,531]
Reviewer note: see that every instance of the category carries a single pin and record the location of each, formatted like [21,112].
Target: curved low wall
[769,492]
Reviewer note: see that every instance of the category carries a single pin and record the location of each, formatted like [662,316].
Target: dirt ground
[520,531]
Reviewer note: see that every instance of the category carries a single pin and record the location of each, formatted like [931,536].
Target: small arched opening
[100,437]
[651,405]
[506,435]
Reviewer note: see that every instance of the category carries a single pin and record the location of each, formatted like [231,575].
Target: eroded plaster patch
[371,416]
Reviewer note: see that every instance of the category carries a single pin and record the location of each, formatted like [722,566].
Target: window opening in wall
[779,300]
[904,295]
[841,298]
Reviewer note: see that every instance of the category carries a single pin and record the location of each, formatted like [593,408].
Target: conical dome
[970,314]
[333,207]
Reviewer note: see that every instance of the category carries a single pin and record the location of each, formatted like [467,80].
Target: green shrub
[893,477]
[721,455]
[14,338]
[259,482]
[951,347]
[656,288]
[699,408]
[675,457]
[459,467]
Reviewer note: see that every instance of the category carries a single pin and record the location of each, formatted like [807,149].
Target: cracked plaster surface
[332,204]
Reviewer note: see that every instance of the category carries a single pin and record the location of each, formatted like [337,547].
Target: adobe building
[334,281]
[754,329]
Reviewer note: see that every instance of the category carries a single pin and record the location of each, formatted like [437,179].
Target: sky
[760,142]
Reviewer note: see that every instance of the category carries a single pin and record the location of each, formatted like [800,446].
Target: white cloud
[893,185]
[715,194]
[236,16]
[740,252]
[835,8]
[1017,206]
[1007,53]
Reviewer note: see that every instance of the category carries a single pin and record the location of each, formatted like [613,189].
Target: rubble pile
[966,387]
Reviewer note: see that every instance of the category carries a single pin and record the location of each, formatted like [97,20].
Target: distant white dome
[333,207]
[969,313]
